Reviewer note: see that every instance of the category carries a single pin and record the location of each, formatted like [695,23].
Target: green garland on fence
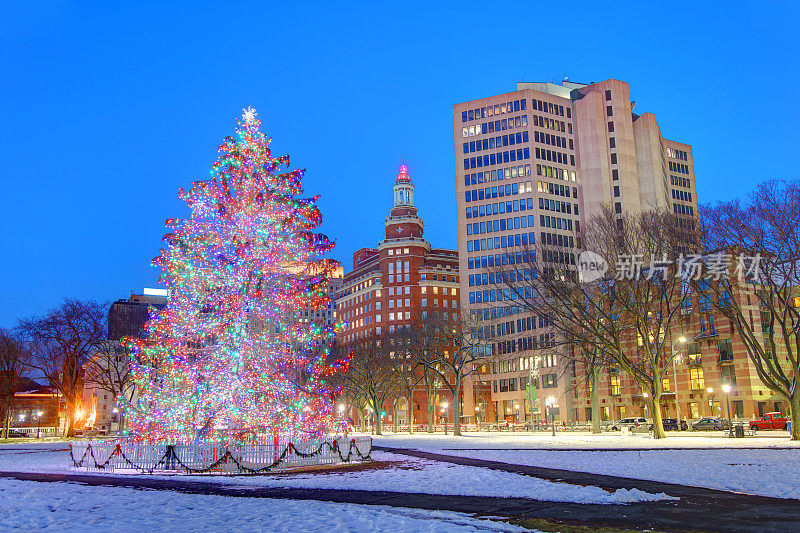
[170,457]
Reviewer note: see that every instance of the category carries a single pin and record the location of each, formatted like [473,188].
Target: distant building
[325,315]
[37,408]
[128,317]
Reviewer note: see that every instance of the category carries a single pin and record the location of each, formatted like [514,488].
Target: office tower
[532,167]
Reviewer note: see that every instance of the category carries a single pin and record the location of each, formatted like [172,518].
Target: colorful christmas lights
[227,359]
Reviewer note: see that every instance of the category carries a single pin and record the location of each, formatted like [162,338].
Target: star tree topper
[249,115]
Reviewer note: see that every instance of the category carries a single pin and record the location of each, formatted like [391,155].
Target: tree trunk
[410,412]
[595,399]
[378,423]
[658,426]
[794,414]
[429,398]
[457,408]
[69,429]
[394,414]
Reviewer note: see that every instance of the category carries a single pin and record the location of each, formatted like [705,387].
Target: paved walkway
[698,509]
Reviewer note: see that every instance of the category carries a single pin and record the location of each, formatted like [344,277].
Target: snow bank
[33,506]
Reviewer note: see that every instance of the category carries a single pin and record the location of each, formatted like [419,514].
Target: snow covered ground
[704,460]
[33,506]
[404,474]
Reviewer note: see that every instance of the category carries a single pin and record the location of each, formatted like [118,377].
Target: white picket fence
[276,456]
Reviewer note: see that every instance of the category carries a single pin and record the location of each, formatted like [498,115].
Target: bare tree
[767,226]
[410,371]
[64,340]
[624,315]
[371,376]
[453,351]
[109,369]
[14,359]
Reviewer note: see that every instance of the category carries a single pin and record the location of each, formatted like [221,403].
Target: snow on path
[34,506]
[410,475]
[770,471]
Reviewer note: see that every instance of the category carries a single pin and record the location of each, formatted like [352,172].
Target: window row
[505,241]
[490,143]
[399,267]
[499,191]
[554,172]
[502,277]
[556,157]
[678,167]
[497,295]
[490,261]
[552,140]
[556,239]
[681,209]
[500,208]
[494,126]
[508,156]
[552,124]
[496,330]
[493,312]
[549,107]
[554,256]
[680,181]
[546,221]
[502,224]
[497,109]
[681,195]
[677,154]
[549,204]
[557,189]
[500,174]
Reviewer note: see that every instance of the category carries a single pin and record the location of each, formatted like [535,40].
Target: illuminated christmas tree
[228,357]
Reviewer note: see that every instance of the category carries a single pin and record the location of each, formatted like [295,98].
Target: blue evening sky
[106,109]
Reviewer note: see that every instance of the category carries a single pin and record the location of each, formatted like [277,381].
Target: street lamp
[444,416]
[645,396]
[681,342]
[38,422]
[516,408]
[549,403]
[710,391]
[726,388]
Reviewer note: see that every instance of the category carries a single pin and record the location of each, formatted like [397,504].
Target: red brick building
[401,280]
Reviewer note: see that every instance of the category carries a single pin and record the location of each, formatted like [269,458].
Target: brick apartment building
[713,356]
[402,280]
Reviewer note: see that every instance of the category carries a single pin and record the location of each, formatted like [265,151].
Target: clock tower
[403,221]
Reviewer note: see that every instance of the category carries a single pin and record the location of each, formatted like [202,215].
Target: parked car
[770,421]
[90,431]
[711,423]
[630,423]
[14,434]
[671,424]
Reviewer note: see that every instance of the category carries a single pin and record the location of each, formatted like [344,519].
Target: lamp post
[444,416]
[645,396]
[710,391]
[477,416]
[681,341]
[726,388]
[549,403]
[38,422]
